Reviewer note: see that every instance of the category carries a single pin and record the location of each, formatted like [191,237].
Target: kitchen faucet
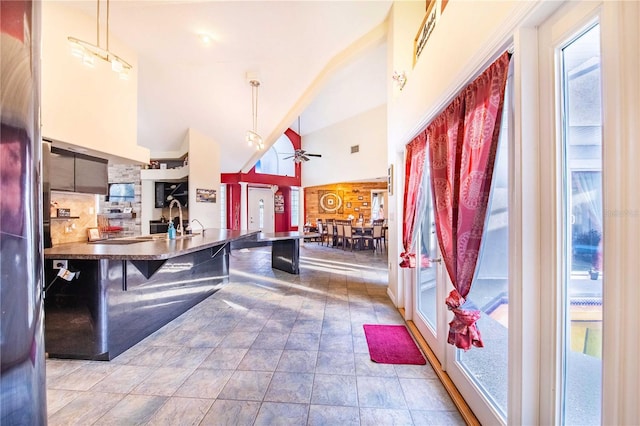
[199,223]
[180,210]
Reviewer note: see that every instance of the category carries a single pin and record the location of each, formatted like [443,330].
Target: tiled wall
[125,173]
[87,207]
[72,230]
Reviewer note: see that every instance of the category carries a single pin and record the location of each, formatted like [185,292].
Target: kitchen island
[122,290]
[285,247]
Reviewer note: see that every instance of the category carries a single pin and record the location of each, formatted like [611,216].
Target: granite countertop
[145,247]
[286,235]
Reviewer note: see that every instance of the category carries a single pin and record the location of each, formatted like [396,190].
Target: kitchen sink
[116,242]
[153,237]
[141,239]
[156,237]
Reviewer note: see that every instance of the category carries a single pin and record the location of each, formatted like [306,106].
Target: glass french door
[430,289]
[582,203]
[479,374]
[575,67]
[570,53]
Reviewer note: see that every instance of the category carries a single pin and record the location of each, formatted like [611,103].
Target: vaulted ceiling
[324,61]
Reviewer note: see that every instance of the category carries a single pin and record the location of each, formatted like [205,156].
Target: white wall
[204,173]
[453,53]
[89,107]
[334,144]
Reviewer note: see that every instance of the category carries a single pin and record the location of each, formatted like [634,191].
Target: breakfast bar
[104,297]
[285,247]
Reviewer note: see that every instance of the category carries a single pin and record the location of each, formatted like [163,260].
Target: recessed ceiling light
[206,38]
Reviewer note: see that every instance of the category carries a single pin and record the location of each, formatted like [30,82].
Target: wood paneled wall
[354,198]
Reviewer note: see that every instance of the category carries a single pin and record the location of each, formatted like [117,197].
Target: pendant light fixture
[88,52]
[253,138]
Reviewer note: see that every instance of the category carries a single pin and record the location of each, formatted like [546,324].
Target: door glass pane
[582,202]
[261,213]
[295,207]
[223,206]
[487,367]
[427,248]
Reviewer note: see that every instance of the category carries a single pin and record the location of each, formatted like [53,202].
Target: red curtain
[414,169]
[462,143]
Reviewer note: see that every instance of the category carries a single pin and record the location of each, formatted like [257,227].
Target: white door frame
[254,195]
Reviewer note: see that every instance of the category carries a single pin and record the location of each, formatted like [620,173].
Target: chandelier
[253,138]
[88,52]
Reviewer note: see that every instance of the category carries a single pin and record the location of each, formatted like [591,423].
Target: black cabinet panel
[62,172]
[168,191]
[91,176]
[77,172]
[158,228]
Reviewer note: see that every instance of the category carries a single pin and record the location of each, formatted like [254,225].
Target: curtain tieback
[463,331]
[408,260]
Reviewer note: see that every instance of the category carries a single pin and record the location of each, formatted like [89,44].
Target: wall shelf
[64,217]
[165,174]
[119,215]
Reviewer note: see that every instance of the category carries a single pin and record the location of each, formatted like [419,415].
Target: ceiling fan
[301,155]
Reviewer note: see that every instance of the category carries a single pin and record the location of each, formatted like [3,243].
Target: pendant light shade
[88,52]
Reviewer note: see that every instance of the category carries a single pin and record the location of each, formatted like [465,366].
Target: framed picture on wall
[365,204]
[93,234]
[349,205]
[390,179]
[279,203]
[205,195]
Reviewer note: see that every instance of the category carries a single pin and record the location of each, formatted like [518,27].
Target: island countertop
[146,247]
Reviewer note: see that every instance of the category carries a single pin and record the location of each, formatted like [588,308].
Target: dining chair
[374,239]
[340,234]
[350,237]
[383,238]
[331,238]
[322,231]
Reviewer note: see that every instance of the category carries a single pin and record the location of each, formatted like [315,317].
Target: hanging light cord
[254,101]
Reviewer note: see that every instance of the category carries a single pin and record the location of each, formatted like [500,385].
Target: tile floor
[269,348]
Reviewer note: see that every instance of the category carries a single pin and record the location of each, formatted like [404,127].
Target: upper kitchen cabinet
[62,171]
[92,175]
[75,172]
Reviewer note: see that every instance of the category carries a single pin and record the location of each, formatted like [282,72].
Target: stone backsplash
[83,211]
[124,173]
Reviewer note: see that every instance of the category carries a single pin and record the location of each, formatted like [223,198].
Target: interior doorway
[260,209]
[378,204]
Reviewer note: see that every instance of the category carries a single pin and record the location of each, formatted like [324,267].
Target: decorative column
[302,207]
[243,206]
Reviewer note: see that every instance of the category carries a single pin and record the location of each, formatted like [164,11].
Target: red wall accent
[233,206]
[283,220]
[284,183]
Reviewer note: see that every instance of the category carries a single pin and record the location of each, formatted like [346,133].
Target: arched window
[274,161]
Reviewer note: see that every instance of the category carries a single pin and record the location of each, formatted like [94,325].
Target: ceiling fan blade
[314,155]
[304,157]
[286,158]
